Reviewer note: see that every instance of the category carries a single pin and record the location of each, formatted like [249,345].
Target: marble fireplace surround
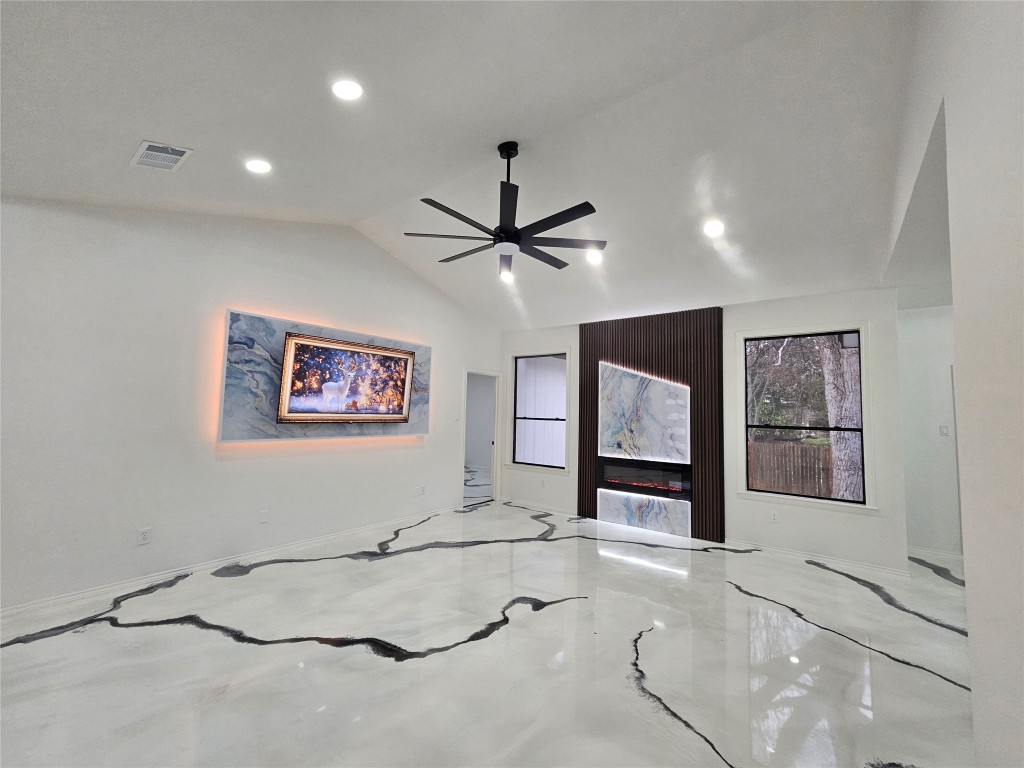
[643,451]
[669,350]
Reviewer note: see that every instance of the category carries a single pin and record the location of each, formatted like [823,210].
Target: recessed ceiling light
[347,90]
[794,660]
[508,277]
[714,228]
[257,166]
[594,256]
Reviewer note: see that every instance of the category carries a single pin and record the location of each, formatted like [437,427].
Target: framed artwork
[326,380]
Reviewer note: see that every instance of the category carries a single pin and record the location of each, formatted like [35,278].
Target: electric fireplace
[651,478]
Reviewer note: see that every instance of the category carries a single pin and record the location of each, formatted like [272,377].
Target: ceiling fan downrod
[506,151]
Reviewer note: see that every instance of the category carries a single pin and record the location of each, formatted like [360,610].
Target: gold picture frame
[327,380]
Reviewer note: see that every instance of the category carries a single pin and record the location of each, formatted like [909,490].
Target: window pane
[540,442]
[803,462]
[810,381]
[540,387]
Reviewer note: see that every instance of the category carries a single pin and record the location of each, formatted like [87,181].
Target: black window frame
[515,409]
[860,430]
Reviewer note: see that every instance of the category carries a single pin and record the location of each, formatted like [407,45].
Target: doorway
[481,402]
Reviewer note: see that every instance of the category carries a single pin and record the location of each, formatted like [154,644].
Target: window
[804,424]
[539,434]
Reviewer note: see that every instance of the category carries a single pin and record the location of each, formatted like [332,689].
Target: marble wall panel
[642,417]
[640,511]
[252,383]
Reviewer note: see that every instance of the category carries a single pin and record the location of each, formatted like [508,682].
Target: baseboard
[739,543]
[139,582]
[924,553]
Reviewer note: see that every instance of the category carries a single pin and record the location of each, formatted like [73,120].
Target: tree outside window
[804,422]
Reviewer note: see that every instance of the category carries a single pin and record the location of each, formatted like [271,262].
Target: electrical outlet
[543,483]
[143,536]
[773,516]
[264,516]
[421,490]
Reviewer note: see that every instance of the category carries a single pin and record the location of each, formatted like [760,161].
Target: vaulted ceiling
[781,119]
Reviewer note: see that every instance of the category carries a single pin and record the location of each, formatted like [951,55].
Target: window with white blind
[539,434]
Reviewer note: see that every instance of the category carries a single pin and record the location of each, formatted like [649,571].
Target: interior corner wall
[550,490]
[929,457]
[113,353]
[969,57]
[873,534]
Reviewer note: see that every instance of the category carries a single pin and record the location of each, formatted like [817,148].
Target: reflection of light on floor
[641,561]
[865,696]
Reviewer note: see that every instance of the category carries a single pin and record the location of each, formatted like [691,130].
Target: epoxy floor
[477,486]
[498,635]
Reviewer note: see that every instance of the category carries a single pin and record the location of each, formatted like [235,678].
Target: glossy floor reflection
[498,635]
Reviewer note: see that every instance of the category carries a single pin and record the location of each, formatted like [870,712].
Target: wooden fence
[787,467]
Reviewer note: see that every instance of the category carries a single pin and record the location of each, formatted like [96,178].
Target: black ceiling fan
[508,239]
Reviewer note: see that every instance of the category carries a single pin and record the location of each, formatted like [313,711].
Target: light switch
[944,430]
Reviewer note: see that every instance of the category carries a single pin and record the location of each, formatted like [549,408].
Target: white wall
[113,344]
[480,405]
[929,458]
[541,487]
[970,56]
[874,534]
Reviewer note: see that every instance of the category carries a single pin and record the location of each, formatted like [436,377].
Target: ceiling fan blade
[557,219]
[456,214]
[507,212]
[562,242]
[470,252]
[449,237]
[539,255]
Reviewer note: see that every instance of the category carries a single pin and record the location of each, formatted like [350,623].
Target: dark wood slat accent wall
[685,347]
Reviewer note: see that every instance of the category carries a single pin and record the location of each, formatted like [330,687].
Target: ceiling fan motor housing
[506,236]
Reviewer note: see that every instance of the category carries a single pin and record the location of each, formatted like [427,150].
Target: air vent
[152,155]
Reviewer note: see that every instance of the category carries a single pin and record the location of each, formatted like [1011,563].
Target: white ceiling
[780,118]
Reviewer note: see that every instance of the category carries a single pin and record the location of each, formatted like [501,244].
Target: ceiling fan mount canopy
[508,149]
[524,238]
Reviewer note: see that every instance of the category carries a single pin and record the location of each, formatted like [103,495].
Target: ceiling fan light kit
[507,239]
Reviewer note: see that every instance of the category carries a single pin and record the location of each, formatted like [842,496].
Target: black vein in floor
[467,508]
[941,571]
[888,599]
[889,656]
[116,603]
[239,569]
[383,548]
[639,678]
[385,545]
[375,645]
